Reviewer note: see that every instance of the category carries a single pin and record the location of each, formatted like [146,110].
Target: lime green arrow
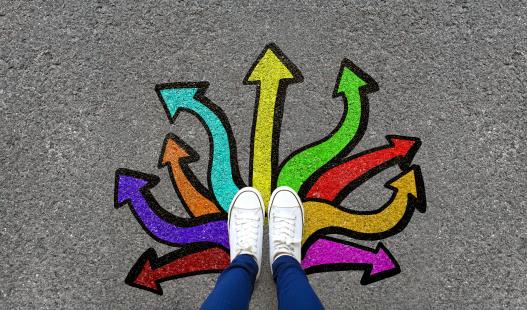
[272,72]
[353,85]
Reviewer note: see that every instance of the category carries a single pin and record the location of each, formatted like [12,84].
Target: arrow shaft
[195,201]
[332,182]
[324,252]
[171,233]
[213,259]
[321,215]
[221,175]
[262,159]
[297,169]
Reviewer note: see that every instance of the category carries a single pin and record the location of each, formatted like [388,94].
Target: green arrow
[352,85]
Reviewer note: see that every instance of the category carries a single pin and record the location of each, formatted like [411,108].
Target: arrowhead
[351,78]
[129,183]
[411,182]
[142,275]
[384,261]
[404,146]
[272,65]
[405,182]
[147,280]
[175,96]
[175,149]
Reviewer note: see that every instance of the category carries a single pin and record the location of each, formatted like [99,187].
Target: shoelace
[247,232]
[283,234]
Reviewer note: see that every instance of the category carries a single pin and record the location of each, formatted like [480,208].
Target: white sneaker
[246,219]
[286,222]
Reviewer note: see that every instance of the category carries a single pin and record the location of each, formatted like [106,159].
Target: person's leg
[292,287]
[286,224]
[235,285]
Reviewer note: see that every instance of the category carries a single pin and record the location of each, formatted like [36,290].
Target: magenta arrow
[330,254]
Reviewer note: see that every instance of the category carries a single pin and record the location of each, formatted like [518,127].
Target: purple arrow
[327,254]
[133,188]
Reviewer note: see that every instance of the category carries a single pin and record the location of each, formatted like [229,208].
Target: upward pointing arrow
[272,72]
[352,84]
[194,196]
[224,177]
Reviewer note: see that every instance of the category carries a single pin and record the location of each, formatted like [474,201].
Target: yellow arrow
[408,194]
[272,72]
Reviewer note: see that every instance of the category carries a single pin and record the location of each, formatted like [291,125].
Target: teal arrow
[224,178]
[352,85]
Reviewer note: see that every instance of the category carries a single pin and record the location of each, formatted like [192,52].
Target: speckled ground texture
[77,102]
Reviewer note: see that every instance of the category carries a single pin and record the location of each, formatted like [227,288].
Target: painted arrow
[133,188]
[335,182]
[272,72]
[176,154]
[390,219]
[149,270]
[224,177]
[330,254]
[352,85]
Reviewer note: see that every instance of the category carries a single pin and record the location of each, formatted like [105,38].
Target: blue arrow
[224,179]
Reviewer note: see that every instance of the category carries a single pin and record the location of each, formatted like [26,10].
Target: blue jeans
[236,283]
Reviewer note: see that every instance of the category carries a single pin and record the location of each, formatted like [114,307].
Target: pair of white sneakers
[246,221]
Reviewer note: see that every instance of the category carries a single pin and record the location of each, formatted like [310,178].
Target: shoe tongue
[248,207]
[284,213]
[290,205]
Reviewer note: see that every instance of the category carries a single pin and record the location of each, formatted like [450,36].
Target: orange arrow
[196,199]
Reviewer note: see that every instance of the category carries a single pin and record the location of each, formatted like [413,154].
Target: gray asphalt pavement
[77,101]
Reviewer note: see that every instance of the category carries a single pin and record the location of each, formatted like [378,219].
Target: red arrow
[149,270]
[334,183]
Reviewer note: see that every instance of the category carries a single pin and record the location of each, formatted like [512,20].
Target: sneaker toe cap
[285,198]
[248,200]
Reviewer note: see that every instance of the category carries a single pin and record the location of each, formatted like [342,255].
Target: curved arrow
[353,85]
[149,270]
[337,181]
[224,177]
[133,188]
[272,72]
[323,218]
[195,197]
[331,254]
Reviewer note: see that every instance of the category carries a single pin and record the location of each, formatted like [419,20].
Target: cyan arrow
[224,178]
[133,188]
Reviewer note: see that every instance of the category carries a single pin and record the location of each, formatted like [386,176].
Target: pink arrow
[330,254]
